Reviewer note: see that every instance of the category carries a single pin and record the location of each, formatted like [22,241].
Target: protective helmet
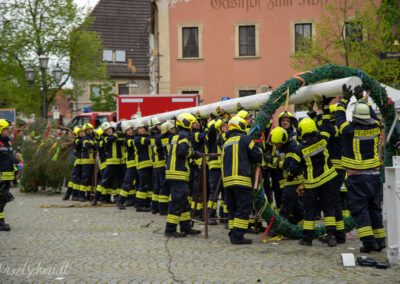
[185,120]
[361,111]
[125,125]
[279,135]
[76,130]
[243,114]
[332,108]
[113,125]
[138,124]
[4,124]
[211,123]
[99,131]
[237,123]
[286,114]
[218,124]
[87,126]
[307,126]
[164,127]
[154,121]
[105,125]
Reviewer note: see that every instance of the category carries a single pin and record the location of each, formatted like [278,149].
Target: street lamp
[30,77]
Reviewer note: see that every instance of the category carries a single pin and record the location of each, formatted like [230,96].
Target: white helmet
[138,124]
[166,126]
[105,125]
[154,121]
[113,125]
[125,125]
[362,113]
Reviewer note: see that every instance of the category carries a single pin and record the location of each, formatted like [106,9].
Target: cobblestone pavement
[106,245]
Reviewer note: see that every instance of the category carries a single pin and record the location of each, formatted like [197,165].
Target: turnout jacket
[78,150]
[114,153]
[101,152]
[6,160]
[178,159]
[360,142]
[131,153]
[198,140]
[143,147]
[212,147]
[87,153]
[312,158]
[238,153]
[157,151]
[165,142]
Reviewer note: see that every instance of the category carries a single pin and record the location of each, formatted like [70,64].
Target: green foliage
[44,27]
[46,160]
[360,48]
[105,100]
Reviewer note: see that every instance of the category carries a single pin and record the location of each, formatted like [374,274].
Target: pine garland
[328,72]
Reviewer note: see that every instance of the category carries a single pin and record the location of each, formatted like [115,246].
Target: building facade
[124,30]
[228,48]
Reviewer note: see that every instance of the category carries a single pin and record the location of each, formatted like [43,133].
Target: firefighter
[289,122]
[6,171]
[311,159]
[76,172]
[88,161]
[100,191]
[292,206]
[244,114]
[238,153]
[128,185]
[214,166]
[157,156]
[360,158]
[144,167]
[113,173]
[167,131]
[177,174]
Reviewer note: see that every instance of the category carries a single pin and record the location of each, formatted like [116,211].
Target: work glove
[347,93]
[358,92]
[326,101]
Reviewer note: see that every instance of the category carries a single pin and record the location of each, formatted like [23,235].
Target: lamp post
[30,75]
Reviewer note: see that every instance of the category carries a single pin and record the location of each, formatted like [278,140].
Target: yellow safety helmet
[279,135]
[237,123]
[3,125]
[185,120]
[87,126]
[307,126]
[77,129]
[243,114]
[99,131]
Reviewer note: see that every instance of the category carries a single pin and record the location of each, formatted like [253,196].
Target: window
[189,92]
[98,120]
[303,35]
[353,31]
[245,93]
[95,91]
[190,42]
[247,41]
[108,55]
[123,89]
[120,56]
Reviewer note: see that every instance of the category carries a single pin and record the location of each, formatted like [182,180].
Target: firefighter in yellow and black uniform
[88,161]
[6,171]
[312,160]
[238,153]
[177,174]
[360,157]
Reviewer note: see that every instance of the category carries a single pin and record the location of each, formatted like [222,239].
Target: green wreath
[328,72]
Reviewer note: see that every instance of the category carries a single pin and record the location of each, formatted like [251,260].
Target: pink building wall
[219,72]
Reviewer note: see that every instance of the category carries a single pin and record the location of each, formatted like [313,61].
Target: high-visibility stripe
[339,225]
[330,221]
[172,219]
[2,215]
[241,223]
[379,233]
[365,231]
[308,225]
[141,195]
[184,216]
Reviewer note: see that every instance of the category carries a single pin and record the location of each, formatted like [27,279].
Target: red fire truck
[143,105]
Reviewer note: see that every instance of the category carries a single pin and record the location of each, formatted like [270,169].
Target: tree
[351,33]
[55,28]
[105,99]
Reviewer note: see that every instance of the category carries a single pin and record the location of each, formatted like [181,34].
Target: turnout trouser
[144,192]
[76,180]
[276,188]
[365,206]
[87,178]
[238,200]
[178,208]
[338,181]
[292,205]
[163,190]
[4,186]
[324,194]
[213,179]
[128,188]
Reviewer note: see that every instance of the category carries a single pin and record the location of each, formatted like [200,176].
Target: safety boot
[381,244]
[192,232]
[130,203]
[331,240]
[243,241]
[4,226]
[143,209]
[121,206]
[369,246]
[174,235]
[305,243]
[67,194]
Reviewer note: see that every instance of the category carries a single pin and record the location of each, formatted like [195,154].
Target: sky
[84,3]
